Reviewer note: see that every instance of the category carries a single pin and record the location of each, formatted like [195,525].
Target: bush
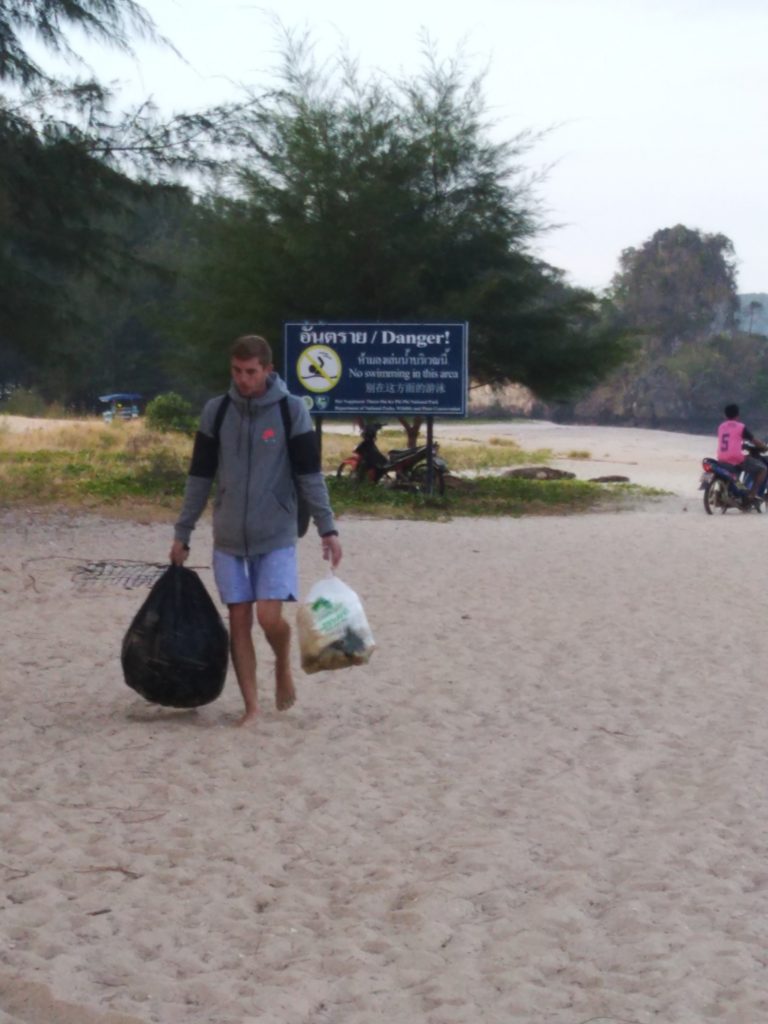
[171,412]
[24,402]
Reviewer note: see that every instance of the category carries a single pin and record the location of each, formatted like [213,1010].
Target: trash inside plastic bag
[176,649]
[333,630]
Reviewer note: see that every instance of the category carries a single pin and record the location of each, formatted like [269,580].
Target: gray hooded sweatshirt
[255,504]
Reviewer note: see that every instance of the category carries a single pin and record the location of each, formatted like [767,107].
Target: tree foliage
[345,199]
[680,284]
[752,316]
[108,21]
[389,200]
[84,209]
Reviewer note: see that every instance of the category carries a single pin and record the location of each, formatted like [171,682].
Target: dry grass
[126,470]
[132,438]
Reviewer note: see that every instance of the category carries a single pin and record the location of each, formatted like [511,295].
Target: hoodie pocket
[275,515]
[285,502]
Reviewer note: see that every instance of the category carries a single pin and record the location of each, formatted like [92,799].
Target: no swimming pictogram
[319,368]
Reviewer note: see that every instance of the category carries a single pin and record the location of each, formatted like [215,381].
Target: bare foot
[285,693]
[248,716]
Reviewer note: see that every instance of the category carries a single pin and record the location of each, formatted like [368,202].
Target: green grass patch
[481,496]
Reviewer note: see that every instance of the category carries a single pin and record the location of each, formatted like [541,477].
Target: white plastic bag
[333,630]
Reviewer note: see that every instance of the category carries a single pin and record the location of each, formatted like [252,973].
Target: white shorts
[269,577]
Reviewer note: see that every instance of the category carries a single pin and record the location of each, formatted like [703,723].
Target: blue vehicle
[123,405]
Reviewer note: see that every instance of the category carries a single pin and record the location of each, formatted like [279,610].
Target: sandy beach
[544,801]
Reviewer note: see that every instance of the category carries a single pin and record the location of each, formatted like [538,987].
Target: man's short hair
[731,412]
[252,346]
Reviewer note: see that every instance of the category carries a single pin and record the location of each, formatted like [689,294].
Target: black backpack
[303,514]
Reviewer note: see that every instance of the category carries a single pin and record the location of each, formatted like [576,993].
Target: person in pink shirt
[731,437]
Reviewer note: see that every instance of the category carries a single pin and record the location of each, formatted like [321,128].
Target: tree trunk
[411,429]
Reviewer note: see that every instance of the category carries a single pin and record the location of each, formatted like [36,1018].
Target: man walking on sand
[257,469]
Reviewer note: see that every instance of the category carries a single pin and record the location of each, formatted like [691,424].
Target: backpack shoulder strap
[302,508]
[205,453]
[220,414]
[287,425]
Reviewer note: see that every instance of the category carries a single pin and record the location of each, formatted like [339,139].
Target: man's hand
[332,549]
[179,552]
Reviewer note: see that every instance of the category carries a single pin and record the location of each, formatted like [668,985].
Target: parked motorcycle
[726,487]
[404,467]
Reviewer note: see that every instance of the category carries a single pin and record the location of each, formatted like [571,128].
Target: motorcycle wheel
[419,478]
[348,471]
[715,497]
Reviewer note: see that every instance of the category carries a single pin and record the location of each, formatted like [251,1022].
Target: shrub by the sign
[171,412]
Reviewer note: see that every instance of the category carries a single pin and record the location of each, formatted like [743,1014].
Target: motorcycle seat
[723,467]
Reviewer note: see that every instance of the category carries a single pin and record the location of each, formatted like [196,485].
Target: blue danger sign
[357,369]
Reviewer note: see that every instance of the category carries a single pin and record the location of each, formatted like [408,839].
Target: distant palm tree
[754,307]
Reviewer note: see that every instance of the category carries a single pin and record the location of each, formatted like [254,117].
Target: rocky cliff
[679,387]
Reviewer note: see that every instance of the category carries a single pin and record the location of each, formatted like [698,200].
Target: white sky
[659,104]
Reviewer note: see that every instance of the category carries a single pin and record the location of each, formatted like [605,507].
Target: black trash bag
[176,650]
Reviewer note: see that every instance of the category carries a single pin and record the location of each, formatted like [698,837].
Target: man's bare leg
[244,657]
[278,634]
